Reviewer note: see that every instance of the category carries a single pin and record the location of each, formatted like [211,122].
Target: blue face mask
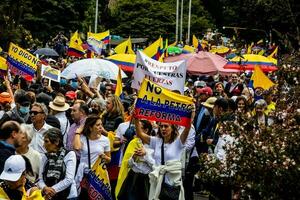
[74,85]
[24,110]
[63,82]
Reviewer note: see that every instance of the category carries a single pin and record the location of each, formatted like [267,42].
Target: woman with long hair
[113,115]
[168,148]
[91,145]
[111,119]
[57,169]
[242,106]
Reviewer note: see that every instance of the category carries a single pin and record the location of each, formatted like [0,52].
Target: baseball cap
[71,95]
[206,90]
[13,168]
[200,84]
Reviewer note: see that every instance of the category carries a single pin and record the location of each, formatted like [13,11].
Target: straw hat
[209,103]
[59,104]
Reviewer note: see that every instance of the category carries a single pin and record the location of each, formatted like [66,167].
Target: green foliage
[151,19]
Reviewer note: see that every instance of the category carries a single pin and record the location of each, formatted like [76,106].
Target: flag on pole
[259,79]
[197,44]
[155,50]
[249,50]
[75,47]
[274,53]
[119,90]
[125,47]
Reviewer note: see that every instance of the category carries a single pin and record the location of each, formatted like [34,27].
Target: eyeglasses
[34,112]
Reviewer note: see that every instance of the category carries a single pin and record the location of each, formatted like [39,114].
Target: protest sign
[21,61]
[169,75]
[50,73]
[159,104]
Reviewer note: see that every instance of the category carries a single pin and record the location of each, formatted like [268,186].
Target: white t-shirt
[97,147]
[172,151]
[120,134]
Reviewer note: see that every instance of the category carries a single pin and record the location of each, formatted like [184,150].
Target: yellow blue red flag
[159,104]
[155,50]
[124,47]
[21,61]
[96,41]
[119,86]
[75,47]
[260,79]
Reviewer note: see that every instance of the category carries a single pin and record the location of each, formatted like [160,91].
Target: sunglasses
[35,112]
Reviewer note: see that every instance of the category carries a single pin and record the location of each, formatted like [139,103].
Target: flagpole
[189,22]
[181,18]
[96,16]
[177,18]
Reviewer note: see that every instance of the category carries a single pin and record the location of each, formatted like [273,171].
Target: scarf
[55,164]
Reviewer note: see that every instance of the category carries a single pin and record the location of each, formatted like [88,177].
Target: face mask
[74,85]
[24,110]
[63,82]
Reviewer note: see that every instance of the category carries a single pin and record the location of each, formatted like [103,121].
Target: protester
[20,112]
[10,138]
[234,87]
[79,113]
[33,156]
[38,115]
[140,162]
[57,169]
[168,146]
[13,179]
[91,144]
[58,108]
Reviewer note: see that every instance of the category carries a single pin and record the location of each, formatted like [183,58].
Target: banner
[168,75]
[3,66]
[50,73]
[96,182]
[21,61]
[159,104]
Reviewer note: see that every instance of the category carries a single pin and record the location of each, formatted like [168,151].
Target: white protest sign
[168,75]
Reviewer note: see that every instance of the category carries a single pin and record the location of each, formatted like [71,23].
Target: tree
[146,18]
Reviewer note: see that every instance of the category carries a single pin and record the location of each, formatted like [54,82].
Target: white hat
[13,168]
[59,104]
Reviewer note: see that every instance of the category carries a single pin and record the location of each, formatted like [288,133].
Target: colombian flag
[124,47]
[155,50]
[75,47]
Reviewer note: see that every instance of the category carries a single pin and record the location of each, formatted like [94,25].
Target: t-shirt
[97,147]
[172,151]
[120,134]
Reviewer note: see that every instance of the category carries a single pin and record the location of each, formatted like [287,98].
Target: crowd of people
[52,133]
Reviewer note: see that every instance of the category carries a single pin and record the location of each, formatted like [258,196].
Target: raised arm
[186,130]
[139,132]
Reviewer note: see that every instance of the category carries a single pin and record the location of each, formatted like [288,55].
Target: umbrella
[173,50]
[46,52]
[125,61]
[203,63]
[249,61]
[92,66]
